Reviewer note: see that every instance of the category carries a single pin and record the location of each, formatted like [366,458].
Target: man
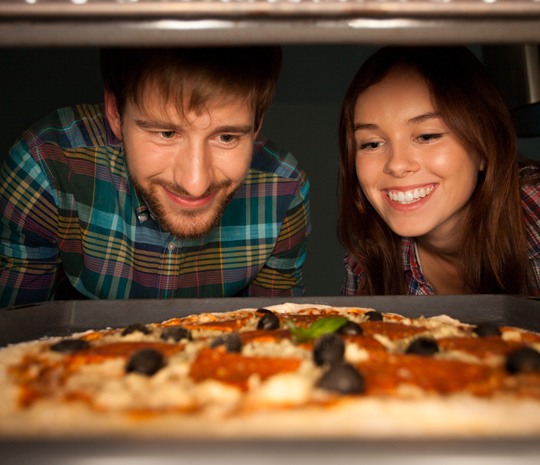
[163,191]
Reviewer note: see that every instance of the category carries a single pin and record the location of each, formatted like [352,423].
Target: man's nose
[401,160]
[193,168]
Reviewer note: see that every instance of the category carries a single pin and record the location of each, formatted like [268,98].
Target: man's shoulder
[81,126]
[270,158]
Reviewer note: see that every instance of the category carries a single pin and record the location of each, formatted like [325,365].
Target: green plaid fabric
[70,214]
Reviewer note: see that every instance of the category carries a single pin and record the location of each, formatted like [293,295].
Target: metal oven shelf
[201,22]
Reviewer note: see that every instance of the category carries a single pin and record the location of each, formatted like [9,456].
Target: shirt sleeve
[530,201]
[29,258]
[281,275]
[353,274]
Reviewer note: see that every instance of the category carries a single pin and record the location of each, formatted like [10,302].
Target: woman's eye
[370,145]
[167,134]
[429,137]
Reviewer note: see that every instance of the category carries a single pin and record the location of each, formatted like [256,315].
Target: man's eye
[227,138]
[167,134]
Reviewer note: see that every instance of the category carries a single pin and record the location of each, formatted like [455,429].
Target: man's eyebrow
[152,124]
[424,117]
[241,129]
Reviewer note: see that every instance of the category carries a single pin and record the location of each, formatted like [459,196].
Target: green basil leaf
[327,325]
[317,329]
[300,334]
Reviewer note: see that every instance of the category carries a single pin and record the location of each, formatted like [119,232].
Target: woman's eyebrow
[360,126]
[416,119]
[424,117]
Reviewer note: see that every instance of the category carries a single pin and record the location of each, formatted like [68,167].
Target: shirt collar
[411,262]
[141,208]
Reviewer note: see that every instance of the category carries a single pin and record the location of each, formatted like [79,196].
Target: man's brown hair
[191,78]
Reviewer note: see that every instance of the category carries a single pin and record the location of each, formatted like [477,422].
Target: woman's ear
[482,166]
[111,112]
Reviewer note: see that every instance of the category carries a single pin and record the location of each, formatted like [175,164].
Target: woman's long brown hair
[493,253]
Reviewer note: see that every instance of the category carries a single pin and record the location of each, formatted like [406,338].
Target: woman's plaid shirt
[69,210]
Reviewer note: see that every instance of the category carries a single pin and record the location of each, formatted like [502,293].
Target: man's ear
[111,112]
[259,128]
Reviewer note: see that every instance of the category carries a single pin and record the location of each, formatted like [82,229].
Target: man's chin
[190,225]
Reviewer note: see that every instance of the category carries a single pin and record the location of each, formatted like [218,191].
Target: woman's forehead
[403,93]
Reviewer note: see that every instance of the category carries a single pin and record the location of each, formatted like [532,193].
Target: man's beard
[183,223]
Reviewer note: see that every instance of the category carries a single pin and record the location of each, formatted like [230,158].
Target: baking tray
[62,318]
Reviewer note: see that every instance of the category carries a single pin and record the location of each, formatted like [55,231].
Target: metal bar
[390,8]
[266,31]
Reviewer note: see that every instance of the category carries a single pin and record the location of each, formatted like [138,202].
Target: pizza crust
[452,417]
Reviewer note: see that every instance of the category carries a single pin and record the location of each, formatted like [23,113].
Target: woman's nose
[401,160]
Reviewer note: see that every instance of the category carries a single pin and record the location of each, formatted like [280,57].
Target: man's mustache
[181,192]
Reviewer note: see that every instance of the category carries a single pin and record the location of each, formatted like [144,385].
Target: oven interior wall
[303,119]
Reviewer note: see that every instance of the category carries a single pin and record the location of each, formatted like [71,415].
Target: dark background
[302,119]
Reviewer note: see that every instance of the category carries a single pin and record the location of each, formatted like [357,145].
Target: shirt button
[171,247]
[143,217]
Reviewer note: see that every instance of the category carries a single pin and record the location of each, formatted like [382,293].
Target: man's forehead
[156,107]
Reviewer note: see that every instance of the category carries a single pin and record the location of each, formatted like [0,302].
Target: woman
[431,197]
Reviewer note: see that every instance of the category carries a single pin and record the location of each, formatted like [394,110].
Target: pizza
[285,371]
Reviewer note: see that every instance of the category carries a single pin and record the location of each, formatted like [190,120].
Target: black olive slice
[374,315]
[264,311]
[342,378]
[135,327]
[176,332]
[487,329]
[351,328]
[329,348]
[70,345]
[523,360]
[146,362]
[232,342]
[268,321]
[423,346]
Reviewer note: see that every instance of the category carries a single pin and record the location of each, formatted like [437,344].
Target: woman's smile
[410,195]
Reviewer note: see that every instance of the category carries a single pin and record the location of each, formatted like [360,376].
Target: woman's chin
[411,230]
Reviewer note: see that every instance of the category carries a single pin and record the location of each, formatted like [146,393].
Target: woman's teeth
[409,196]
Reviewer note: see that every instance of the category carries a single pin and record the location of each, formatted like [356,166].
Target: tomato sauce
[235,369]
[383,373]
[224,325]
[482,347]
[392,331]
[264,335]
[103,352]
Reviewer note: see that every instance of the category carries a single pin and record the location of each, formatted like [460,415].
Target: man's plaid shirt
[69,210]
[415,280]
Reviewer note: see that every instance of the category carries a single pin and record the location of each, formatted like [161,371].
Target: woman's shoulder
[529,173]
[529,180]
[529,184]
[353,273]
